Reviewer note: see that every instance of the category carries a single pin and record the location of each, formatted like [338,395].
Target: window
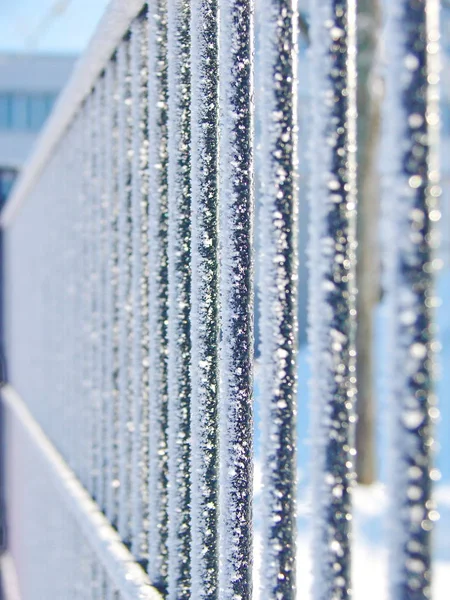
[7,178]
[19,112]
[4,111]
[24,112]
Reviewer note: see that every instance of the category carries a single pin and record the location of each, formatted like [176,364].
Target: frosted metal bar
[158,292]
[71,375]
[179,340]
[236,295]
[139,270]
[99,261]
[332,315]
[204,300]
[93,236]
[88,223]
[104,284]
[411,209]
[111,294]
[124,291]
[278,291]
[77,201]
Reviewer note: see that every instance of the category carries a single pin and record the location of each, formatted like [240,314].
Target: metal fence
[129,300]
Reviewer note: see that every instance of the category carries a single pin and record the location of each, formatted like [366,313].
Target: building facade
[29,86]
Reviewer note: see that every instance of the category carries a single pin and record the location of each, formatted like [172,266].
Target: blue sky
[48,26]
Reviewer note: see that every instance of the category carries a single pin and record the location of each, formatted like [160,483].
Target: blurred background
[39,43]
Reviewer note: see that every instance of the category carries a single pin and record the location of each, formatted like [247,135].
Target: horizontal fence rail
[68,513]
[138,259]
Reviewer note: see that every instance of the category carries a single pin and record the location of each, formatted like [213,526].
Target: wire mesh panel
[131,264]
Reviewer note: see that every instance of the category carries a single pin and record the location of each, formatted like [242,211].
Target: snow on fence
[129,298]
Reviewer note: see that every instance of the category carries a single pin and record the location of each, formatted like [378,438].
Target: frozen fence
[130,277]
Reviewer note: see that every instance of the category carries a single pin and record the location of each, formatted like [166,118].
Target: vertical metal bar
[94,578]
[111,294]
[84,442]
[95,232]
[93,406]
[139,203]
[100,198]
[136,274]
[278,295]
[71,207]
[58,415]
[76,299]
[61,275]
[179,339]
[66,267]
[158,292]
[236,292]
[124,289]
[106,587]
[77,373]
[87,301]
[204,300]
[412,193]
[78,201]
[332,315]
